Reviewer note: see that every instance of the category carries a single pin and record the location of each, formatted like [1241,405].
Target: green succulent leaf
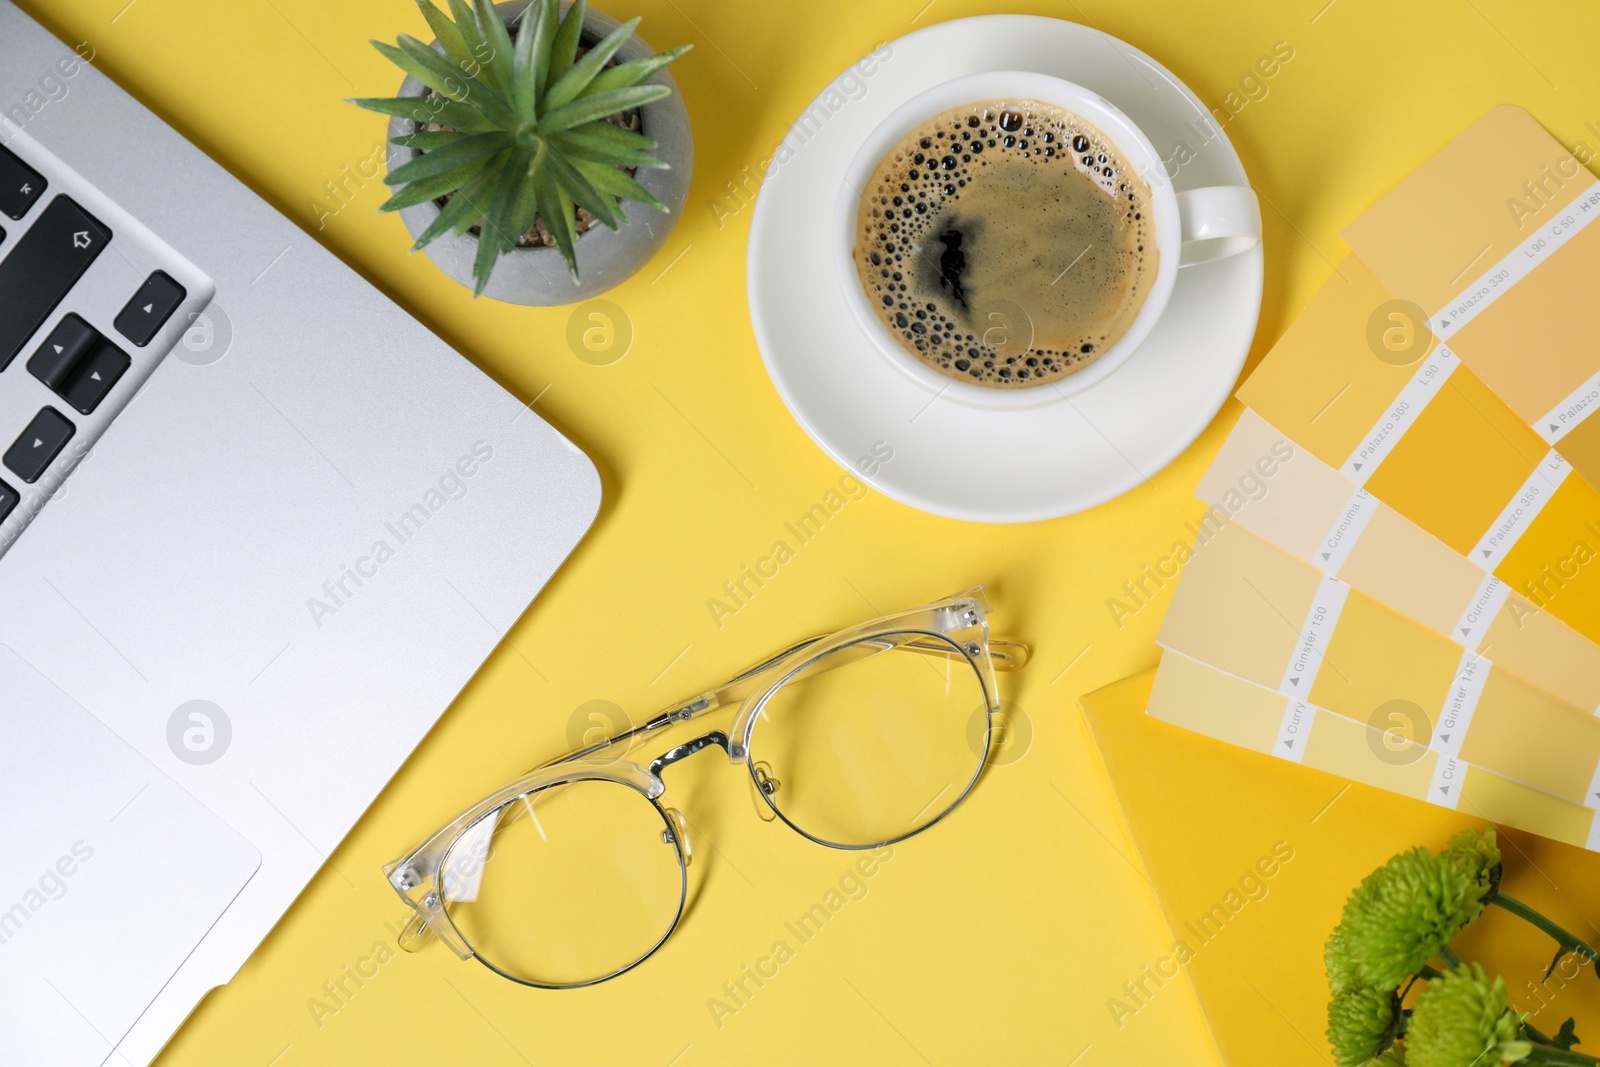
[415,108]
[598,150]
[634,72]
[615,134]
[497,237]
[448,80]
[497,40]
[463,209]
[549,16]
[525,205]
[584,71]
[443,79]
[448,33]
[599,106]
[428,140]
[556,209]
[582,191]
[442,160]
[525,80]
[564,49]
[434,109]
[480,196]
[610,180]
[418,192]
[467,25]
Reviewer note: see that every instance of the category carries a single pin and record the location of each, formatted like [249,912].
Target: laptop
[259,528]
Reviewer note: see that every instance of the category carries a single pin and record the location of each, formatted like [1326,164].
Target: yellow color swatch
[1459,463]
[1323,383]
[1197,697]
[1240,605]
[1378,659]
[1537,343]
[1416,574]
[1466,208]
[1556,563]
[1251,610]
[1290,498]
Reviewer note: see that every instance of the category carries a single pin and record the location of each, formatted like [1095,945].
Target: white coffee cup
[1191,227]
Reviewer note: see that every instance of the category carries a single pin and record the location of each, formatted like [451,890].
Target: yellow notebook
[1251,858]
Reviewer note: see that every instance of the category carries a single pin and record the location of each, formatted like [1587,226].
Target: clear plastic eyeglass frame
[954,629]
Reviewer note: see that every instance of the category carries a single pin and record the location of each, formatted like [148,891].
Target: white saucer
[992,465]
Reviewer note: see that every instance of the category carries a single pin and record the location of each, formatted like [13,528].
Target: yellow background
[1000,937]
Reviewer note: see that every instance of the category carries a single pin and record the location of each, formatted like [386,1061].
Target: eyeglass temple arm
[1006,655]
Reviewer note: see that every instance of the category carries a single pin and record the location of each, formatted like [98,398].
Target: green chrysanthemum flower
[1463,1020]
[1361,1024]
[1339,961]
[1400,917]
[1479,856]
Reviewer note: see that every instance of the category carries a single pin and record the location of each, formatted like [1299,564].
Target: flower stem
[1566,940]
[1451,960]
[1559,1056]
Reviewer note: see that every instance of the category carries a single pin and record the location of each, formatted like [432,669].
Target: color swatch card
[1359,383]
[1493,239]
[1287,496]
[1256,612]
[1197,697]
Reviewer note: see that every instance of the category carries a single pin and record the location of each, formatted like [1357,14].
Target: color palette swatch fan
[1392,583]
[1395,590]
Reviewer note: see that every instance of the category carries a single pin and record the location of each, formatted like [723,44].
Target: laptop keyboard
[86,295]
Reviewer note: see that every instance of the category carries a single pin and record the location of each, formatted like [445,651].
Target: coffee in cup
[1006,243]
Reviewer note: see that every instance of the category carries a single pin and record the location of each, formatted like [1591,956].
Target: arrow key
[94,377]
[39,445]
[78,364]
[68,343]
[150,308]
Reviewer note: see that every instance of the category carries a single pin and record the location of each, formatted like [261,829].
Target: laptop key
[67,344]
[20,185]
[94,377]
[150,307]
[8,500]
[42,267]
[78,364]
[39,445]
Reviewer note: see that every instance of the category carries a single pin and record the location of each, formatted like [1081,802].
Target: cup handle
[1217,222]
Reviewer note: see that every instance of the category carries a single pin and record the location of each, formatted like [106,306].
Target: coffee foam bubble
[1006,243]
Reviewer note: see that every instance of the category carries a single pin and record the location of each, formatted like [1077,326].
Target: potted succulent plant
[522,130]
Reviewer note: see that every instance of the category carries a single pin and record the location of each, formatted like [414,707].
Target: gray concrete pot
[537,276]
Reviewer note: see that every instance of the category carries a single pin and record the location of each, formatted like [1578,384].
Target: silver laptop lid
[309,528]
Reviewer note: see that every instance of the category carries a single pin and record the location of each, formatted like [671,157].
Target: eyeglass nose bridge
[687,749]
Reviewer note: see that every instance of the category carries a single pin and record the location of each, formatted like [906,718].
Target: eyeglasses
[577,871]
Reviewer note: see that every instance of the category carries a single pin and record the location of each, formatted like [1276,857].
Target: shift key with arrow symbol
[43,267]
